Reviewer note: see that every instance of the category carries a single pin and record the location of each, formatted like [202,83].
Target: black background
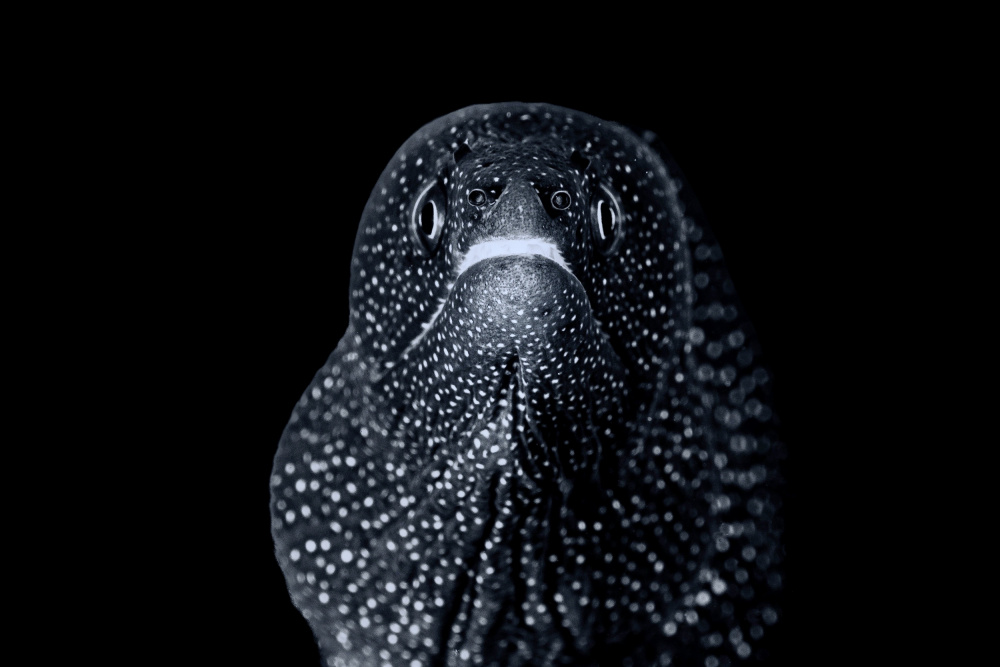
[263,156]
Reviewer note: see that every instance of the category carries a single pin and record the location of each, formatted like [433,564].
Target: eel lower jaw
[488,250]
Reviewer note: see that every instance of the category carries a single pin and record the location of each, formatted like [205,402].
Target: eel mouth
[503,247]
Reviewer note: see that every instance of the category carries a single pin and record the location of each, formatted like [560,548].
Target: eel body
[545,437]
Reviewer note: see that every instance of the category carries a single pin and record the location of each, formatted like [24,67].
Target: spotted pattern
[533,462]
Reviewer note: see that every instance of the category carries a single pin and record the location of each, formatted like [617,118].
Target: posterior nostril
[560,200]
[477,197]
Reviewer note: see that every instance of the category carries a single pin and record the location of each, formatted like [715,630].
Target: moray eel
[545,437]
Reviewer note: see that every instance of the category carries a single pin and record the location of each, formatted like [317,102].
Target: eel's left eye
[606,219]
[428,218]
[560,200]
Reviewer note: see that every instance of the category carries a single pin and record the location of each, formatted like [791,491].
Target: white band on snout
[502,247]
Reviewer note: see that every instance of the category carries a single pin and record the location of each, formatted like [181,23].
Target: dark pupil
[607,217]
[560,199]
[477,197]
[427,218]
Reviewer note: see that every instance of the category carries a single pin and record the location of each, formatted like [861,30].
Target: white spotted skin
[540,460]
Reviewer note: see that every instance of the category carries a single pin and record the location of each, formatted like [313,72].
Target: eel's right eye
[428,218]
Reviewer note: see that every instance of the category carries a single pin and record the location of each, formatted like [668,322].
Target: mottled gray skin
[574,464]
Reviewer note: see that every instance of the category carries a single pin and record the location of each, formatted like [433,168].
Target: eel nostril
[560,200]
[477,197]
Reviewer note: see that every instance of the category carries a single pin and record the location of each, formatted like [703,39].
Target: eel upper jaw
[502,247]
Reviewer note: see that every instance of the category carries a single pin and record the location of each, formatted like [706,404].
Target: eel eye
[477,197]
[428,218]
[606,219]
[560,200]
